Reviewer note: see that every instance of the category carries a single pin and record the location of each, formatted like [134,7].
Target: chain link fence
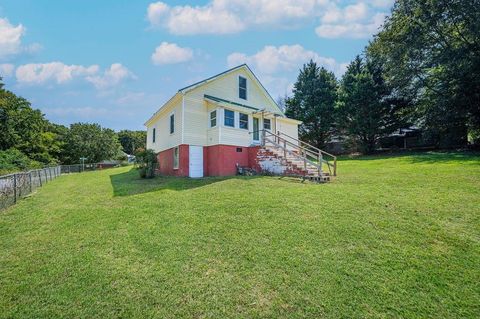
[18,185]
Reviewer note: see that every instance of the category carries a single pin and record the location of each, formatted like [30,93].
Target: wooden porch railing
[301,150]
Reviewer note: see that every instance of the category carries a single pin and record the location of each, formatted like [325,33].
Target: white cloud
[211,18]
[233,16]
[170,53]
[10,38]
[60,73]
[222,16]
[273,59]
[354,21]
[354,30]
[111,77]
[356,12]
[40,73]
[6,69]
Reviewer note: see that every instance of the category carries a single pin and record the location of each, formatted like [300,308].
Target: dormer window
[242,87]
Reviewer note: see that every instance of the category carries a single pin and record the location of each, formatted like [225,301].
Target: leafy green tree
[24,128]
[431,53]
[313,103]
[132,140]
[367,108]
[12,160]
[92,142]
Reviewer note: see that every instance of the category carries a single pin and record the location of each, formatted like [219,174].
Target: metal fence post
[40,176]
[30,179]
[15,188]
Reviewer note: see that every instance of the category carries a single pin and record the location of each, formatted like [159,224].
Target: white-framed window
[176,156]
[242,87]
[267,124]
[243,121]
[213,118]
[229,118]
[154,133]
[172,123]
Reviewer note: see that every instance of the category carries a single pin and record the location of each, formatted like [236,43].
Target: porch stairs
[296,158]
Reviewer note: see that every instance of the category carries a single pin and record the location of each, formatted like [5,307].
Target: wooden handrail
[302,152]
[309,145]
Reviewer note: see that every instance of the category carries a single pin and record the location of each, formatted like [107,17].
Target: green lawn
[391,237]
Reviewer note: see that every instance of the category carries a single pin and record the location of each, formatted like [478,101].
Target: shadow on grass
[422,157]
[130,183]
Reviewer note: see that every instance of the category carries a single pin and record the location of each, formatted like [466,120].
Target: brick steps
[290,165]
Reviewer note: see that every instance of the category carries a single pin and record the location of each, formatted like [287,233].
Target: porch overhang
[226,103]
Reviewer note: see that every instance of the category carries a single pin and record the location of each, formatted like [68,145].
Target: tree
[431,52]
[92,142]
[313,103]
[24,128]
[367,108]
[132,140]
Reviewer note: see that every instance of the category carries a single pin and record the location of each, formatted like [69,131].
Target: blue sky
[115,62]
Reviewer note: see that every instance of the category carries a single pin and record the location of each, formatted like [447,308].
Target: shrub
[146,162]
[13,160]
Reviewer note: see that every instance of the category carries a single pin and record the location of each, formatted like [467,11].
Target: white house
[211,127]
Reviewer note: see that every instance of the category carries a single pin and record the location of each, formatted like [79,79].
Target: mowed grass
[391,237]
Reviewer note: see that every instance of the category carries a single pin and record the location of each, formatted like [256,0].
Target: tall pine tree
[367,108]
[313,103]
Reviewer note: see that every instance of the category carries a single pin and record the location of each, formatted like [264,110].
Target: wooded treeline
[421,70]
[29,140]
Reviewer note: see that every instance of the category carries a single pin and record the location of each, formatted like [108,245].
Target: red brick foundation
[218,160]
[165,161]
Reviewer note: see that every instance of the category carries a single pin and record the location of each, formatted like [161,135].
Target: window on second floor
[172,123]
[213,118]
[153,135]
[243,121]
[229,118]
[242,87]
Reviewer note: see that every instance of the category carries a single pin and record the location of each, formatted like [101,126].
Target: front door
[195,158]
[256,127]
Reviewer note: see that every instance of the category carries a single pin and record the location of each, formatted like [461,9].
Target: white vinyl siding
[161,125]
[288,128]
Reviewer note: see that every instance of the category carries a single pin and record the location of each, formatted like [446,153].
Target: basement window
[239,149]
[175,157]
